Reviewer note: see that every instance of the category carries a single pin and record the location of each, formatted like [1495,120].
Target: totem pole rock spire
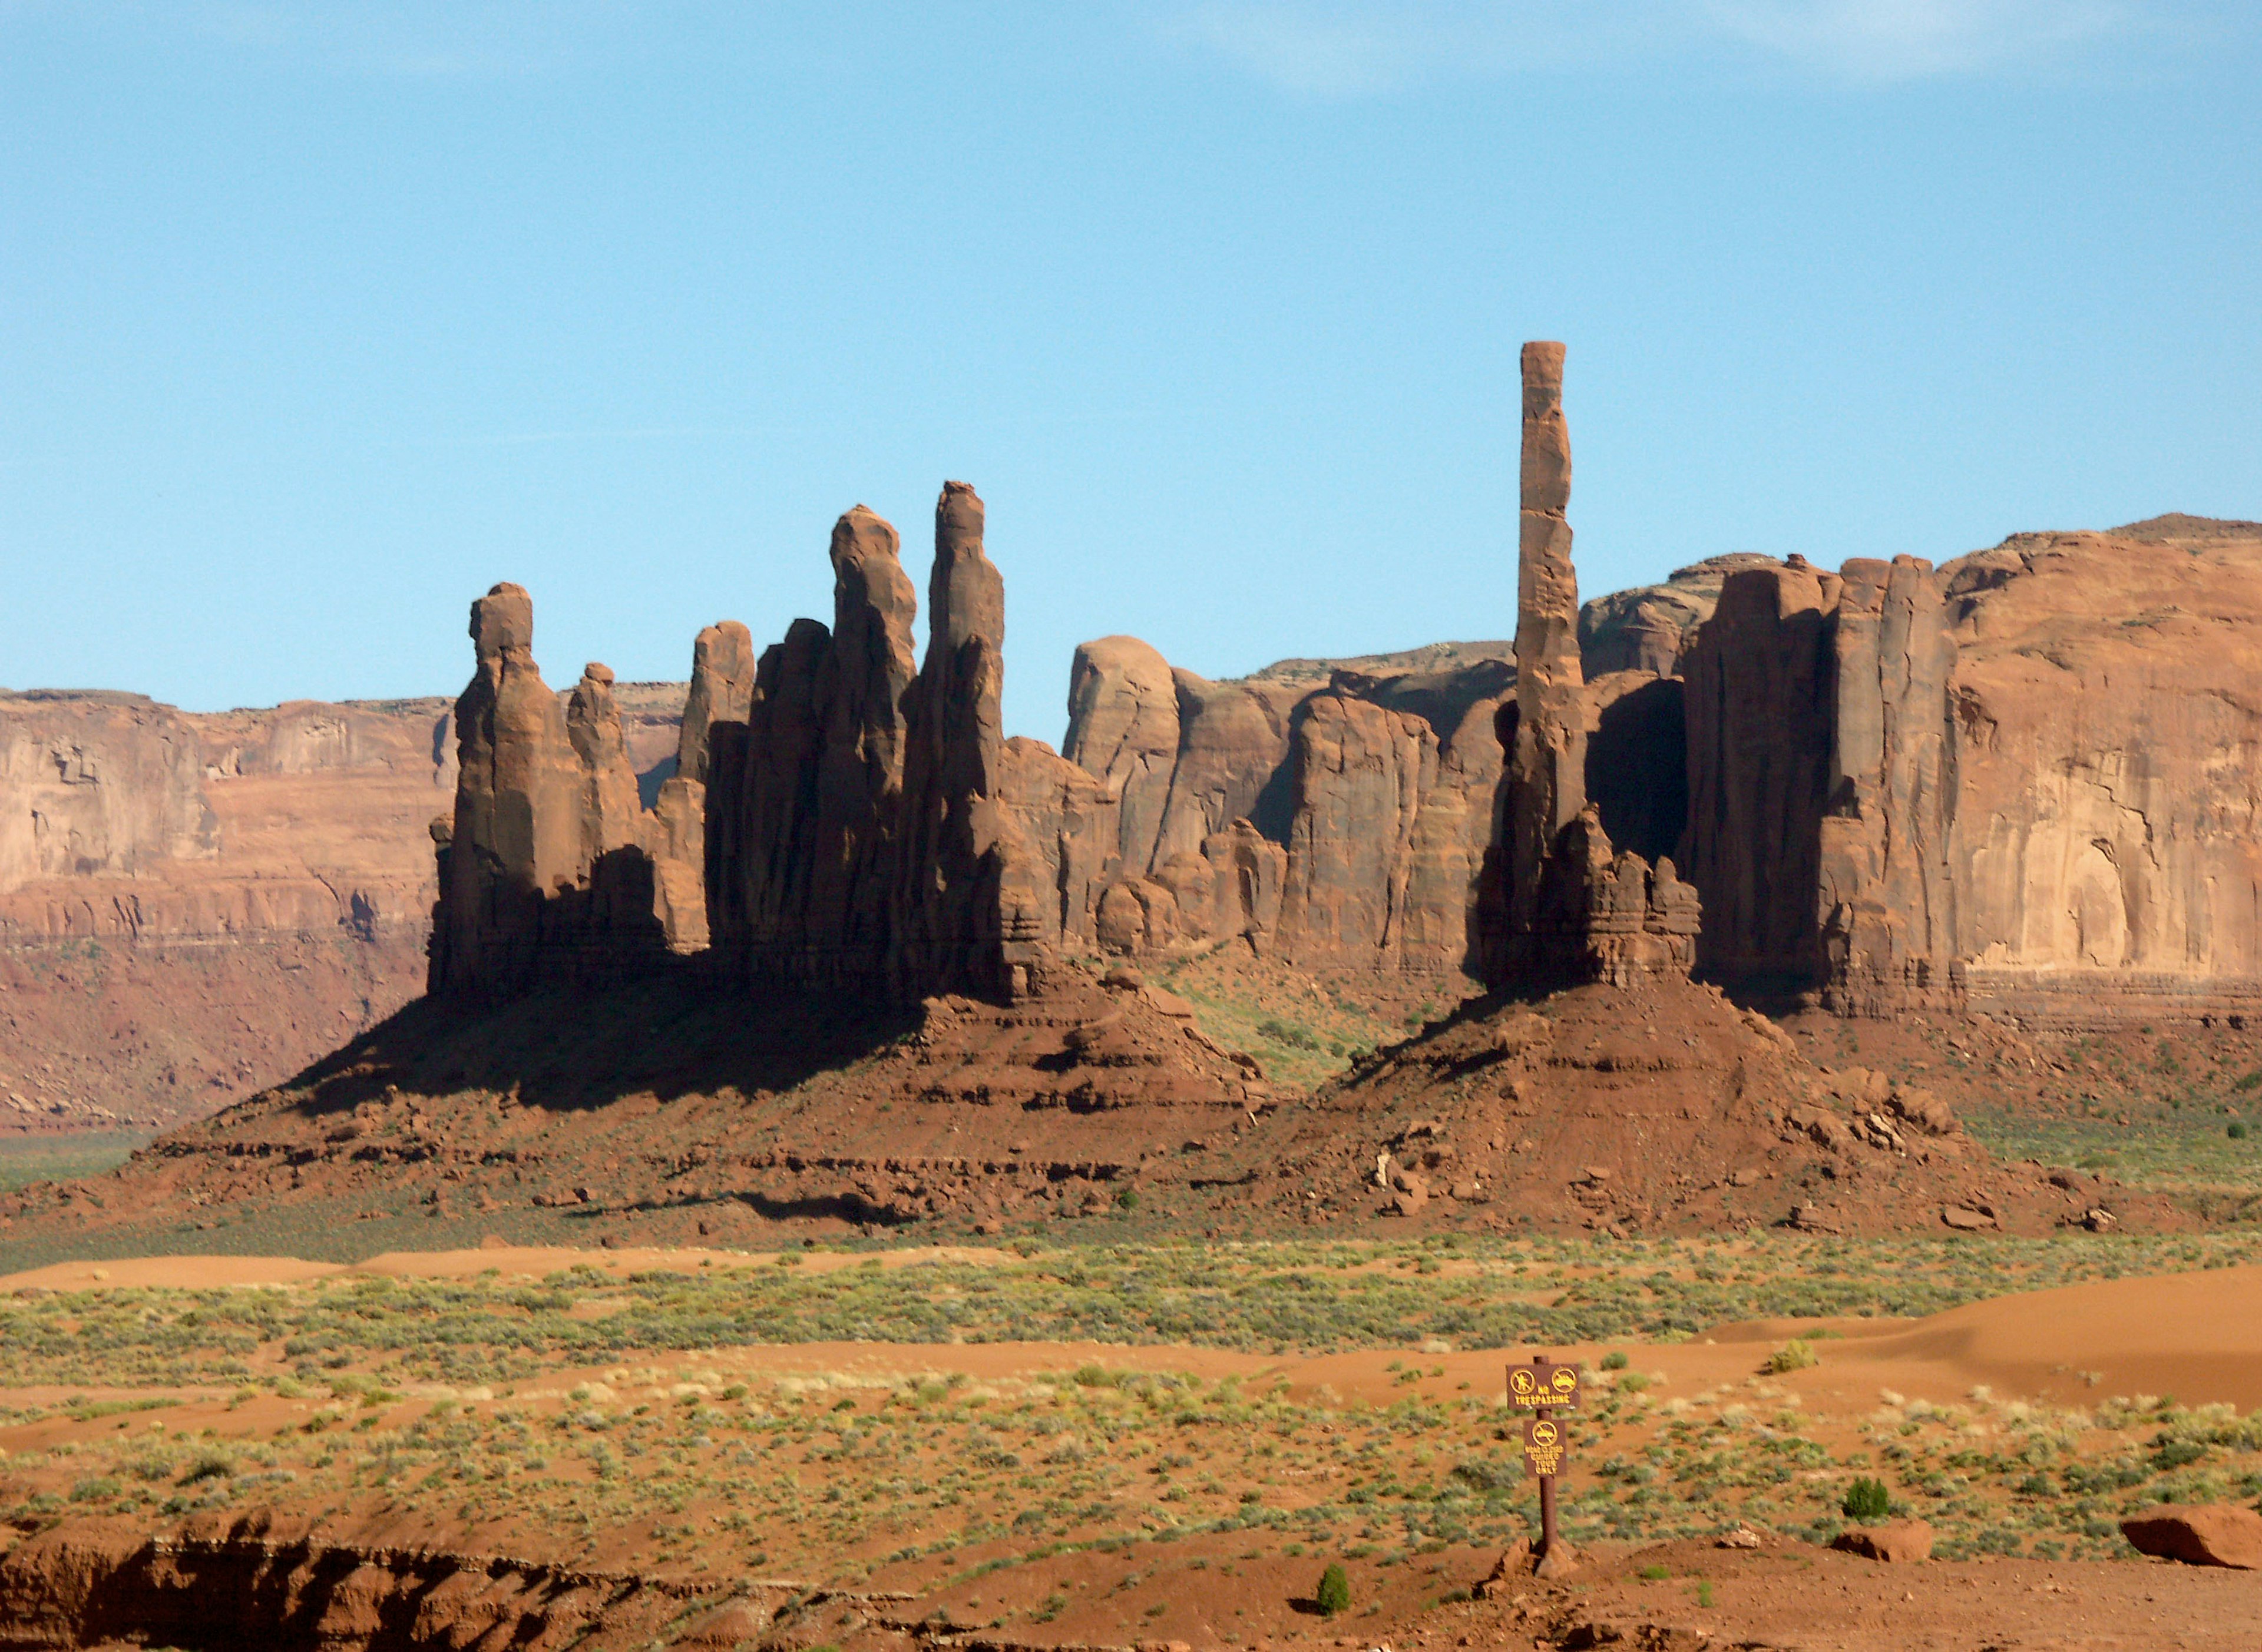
[1558,902]
[1547,762]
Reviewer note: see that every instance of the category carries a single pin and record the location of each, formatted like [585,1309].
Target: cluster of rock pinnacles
[1805,780]
[843,816]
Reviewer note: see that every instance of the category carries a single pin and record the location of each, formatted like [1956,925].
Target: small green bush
[2236,1130]
[1615,1361]
[1794,1355]
[211,1465]
[1333,1595]
[1867,1499]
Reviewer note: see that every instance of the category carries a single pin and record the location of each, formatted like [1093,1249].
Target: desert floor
[1110,1444]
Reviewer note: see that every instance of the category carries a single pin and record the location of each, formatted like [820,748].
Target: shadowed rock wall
[871,831]
[2026,781]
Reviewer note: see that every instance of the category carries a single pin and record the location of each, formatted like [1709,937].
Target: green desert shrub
[1794,1355]
[1867,1499]
[1333,1595]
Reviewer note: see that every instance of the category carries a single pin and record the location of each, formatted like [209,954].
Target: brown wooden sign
[1543,1385]
[1543,1447]
[1537,1389]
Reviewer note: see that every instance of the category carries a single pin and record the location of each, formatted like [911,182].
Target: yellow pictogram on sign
[1543,1446]
[1533,1386]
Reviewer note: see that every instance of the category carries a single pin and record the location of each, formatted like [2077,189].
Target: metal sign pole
[1546,1505]
[1539,1390]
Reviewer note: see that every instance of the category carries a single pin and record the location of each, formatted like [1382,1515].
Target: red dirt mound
[1662,1107]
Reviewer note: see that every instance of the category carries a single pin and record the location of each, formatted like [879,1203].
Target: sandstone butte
[2021,785]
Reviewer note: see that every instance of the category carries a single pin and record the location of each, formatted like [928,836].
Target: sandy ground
[2197,1337]
[2194,1337]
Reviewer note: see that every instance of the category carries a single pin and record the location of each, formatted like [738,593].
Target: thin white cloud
[1352,48]
[1904,38]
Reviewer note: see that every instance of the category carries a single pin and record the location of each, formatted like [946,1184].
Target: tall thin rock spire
[1547,764]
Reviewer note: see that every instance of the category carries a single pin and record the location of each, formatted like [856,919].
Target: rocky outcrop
[2025,780]
[1759,687]
[1545,783]
[721,695]
[714,712]
[261,1579]
[1361,773]
[1886,904]
[1123,729]
[543,869]
[2103,740]
[98,784]
[870,836]
[1067,820]
[1556,901]
[2201,1534]
[1650,629]
[1307,763]
[255,896]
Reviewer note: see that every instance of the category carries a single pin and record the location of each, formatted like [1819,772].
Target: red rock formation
[714,712]
[518,836]
[870,835]
[543,869]
[98,784]
[1556,901]
[2102,728]
[1759,734]
[2023,781]
[1068,819]
[1123,729]
[1546,766]
[1266,759]
[1650,629]
[1361,773]
[722,691]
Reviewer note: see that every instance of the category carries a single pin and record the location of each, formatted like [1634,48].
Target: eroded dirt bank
[260,1582]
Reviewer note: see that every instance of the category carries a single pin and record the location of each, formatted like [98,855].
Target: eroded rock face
[1759,697]
[98,784]
[2025,780]
[963,917]
[1650,629]
[2104,737]
[1546,768]
[1361,773]
[543,870]
[1123,729]
[722,693]
[1556,901]
[872,831]
[1067,820]
[517,835]
[716,708]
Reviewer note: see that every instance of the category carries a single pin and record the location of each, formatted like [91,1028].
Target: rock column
[1557,902]
[1547,765]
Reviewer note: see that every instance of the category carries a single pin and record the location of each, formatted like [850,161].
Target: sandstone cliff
[199,903]
[2025,782]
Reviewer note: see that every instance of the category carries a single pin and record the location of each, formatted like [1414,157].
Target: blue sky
[317,319]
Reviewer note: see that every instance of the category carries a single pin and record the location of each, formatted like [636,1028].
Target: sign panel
[1542,1384]
[1543,1447]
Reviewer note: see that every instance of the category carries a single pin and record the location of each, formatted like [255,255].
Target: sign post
[1538,1390]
